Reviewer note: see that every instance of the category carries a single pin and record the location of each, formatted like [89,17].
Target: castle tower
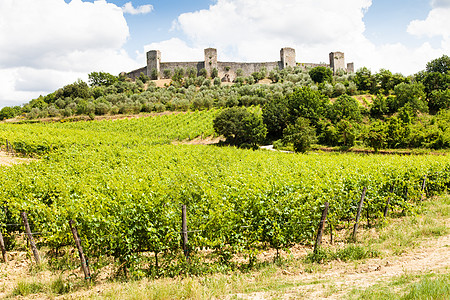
[351,68]
[153,63]
[210,60]
[337,61]
[287,57]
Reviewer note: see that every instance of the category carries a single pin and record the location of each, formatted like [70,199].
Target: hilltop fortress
[227,70]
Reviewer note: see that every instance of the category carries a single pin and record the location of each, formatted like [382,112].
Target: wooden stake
[184,233]
[423,187]
[30,237]
[2,246]
[84,265]
[386,208]
[321,226]
[331,234]
[358,213]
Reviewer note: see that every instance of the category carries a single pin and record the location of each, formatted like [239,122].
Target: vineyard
[124,183]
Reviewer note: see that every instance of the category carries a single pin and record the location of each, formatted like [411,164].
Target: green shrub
[300,134]
[321,74]
[239,126]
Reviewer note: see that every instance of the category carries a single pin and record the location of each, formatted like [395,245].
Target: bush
[275,116]
[345,107]
[214,73]
[412,95]
[300,134]
[239,126]
[167,73]
[307,103]
[9,112]
[339,89]
[321,74]
[203,73]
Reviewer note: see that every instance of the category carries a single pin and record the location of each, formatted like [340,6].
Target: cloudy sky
[47,44]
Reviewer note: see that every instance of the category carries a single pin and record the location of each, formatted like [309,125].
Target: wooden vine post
[84,264]
[358,213]
[30,237]
[386,208]
[2,246]
[423,187]
[184,233]
[321,226]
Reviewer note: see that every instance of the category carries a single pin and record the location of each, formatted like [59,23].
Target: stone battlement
[227,70]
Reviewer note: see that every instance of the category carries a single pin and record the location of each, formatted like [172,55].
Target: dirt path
[340,278]
[7,159]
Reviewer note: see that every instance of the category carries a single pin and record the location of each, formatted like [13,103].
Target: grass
[408,287]
[406,233]
[348,253]
[25,288]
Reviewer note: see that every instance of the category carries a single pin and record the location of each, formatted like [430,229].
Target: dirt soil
[432,255]
[7,159]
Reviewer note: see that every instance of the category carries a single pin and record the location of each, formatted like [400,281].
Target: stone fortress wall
[227,70]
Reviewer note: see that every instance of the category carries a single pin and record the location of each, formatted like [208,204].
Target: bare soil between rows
[432,256]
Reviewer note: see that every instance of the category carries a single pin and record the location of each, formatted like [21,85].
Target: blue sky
[39,55]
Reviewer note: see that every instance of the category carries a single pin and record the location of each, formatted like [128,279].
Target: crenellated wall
[227,70]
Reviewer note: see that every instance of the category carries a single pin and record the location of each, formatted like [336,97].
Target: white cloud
[437,23]
[143,9]
[255,30]
[46,44]
[440,3]
[176,50]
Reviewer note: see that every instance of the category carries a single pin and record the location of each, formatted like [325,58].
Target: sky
[47,44]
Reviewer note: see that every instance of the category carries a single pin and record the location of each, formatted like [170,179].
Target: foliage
[214,73]
[345,107]
[300,134]
[123,182]
[239,126]
[321,74]
[439,65]
[364,79]
[307,103]
[275,115]
[9,112]
[101,79]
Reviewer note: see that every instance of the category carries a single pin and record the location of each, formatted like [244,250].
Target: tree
[412,95]
[376,137]
[301,134]
[214,73]
[346,133]
[321,74]
[364,80]
[78,89]
[345,107]
[275,115]
[239,126]
[203,72]
[379,106]
[307,103]
[101,79]
[439,65]
[9,112]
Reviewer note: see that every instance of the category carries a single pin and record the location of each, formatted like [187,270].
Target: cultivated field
[252,216]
